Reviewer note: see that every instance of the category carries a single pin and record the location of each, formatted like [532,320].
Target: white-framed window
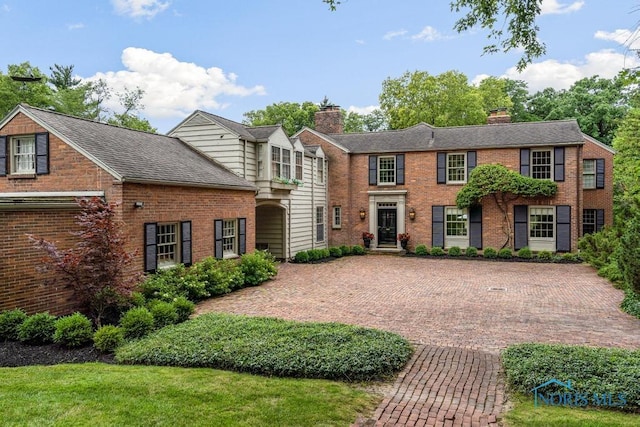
[319,223]
[299,170]
[320,170]
[229,237]
[337,217]
[456,227]
[541,223]
[456,168]
[588,221]
[168,245]
[280,163]
[541,164]
[23,154]
[386,170]
[589,173]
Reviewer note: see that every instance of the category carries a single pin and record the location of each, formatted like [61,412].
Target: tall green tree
[443,100]
[626,169]
[493,91]
[131,101]
[372,122]
[291,115]
[35,93]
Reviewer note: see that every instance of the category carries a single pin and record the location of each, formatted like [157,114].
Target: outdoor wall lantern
[138,205]
[363,214]
[412,214]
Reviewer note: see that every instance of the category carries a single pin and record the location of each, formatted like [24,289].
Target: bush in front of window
[220,276]
[164,313]
[137,322]
[455,251]
[74,330]
[37,329]
[505,253]
[525,253]
[490,253]
[301,257]
[173,282]
[422,250]
[335,252]
[10,321]
[346,250]
[545,255]
[437,251]
[107,338]
[258,267]
[324,253]
[471,251]
[357,250]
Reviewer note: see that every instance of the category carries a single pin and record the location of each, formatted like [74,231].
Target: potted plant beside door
[367,238]
[404,239]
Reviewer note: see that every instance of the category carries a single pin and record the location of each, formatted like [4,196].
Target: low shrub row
[491,253]
[269,346]
[315,255]
[590,370]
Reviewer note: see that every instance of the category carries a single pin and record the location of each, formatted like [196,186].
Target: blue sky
[229,57]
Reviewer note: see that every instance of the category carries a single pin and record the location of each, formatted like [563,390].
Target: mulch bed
[14,353]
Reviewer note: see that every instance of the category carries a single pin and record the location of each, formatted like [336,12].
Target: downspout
[244,160]
[289,231]
[314,164]
[579,193]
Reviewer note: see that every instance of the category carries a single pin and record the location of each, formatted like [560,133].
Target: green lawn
[106,395]
[524,414]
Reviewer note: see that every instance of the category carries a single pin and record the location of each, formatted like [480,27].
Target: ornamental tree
[96,267]
[503,186]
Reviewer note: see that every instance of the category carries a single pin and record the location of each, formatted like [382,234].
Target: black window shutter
[472,162]
[563,228]
[42,153]
[525,155]
[442,168]
[150,247]
[242,236]
[185,243]
[599,219]
[217,237]
[400,169]
[599,173]
[475,227]
[3,155]
[437,226]
[520,229]
[373,170]
[558,164]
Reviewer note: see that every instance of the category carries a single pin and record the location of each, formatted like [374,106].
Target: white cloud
[5,8]
[77,26]
[362,110]
[553,7]
[173,89]
[140,8]
[605,63]
[360,41]
[428,34]
[630,39]
[478,79]
[393,34]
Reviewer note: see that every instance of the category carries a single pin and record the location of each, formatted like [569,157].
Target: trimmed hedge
[471,251]
[505,253]
[74,330]
[269,346]
[454,251]
[137,322]
[437,251]
[37,329]
[422,250]
[591,370]
[108,338]
[490,253]
[10,322]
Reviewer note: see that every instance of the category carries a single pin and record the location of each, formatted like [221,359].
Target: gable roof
[135,156]
[249,133]
[423,137]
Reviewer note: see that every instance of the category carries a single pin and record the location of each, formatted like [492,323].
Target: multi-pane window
[456,167]
[23,154]
[320,168]
[280,163]
[456,220]
[229,236]
[541,223]
[541,163]
[589,173]
[320,224]
[387,170]
[588,221]
[167,246]
[337,217]
[299,165]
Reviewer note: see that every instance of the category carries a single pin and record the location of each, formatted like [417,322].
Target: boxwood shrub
[471,251]
[505,253]
[10,321]
[258,267]
[335,251]
[220,276]
[137,322]
[591,370]
[437,251]
[346,250]
[37,329]
[271,346]
[170,283]
[422,250]
[455,251]
[107,338]
[74,330]
[545,255]
[357,250]
[490,253]
[184,308]
[301,257]
[525,253]
[164,313]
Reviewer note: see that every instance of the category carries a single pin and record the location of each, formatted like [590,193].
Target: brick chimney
[497,116]
[329,119]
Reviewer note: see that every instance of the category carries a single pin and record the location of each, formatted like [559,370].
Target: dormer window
[280,163]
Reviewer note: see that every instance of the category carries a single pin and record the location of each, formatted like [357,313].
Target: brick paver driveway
[459,313]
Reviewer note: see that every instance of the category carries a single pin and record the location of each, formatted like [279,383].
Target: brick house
[176,205]
[406,181]
[290,178]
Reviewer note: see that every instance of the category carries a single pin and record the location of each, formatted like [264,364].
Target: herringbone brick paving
[459,314]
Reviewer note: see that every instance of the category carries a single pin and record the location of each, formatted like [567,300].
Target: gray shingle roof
[138,156]
[262,133]
[423,137]
[250,133]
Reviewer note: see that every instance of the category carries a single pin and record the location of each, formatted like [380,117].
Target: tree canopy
[291,115]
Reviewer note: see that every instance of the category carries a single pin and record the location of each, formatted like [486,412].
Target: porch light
[412,214]
[363,214]
[138,205]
